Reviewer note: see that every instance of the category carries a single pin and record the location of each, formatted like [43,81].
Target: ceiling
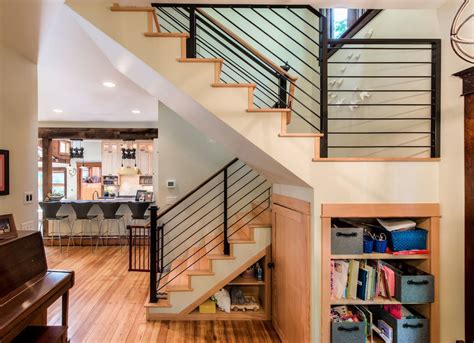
[71,70]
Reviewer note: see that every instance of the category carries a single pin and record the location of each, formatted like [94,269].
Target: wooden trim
[156,21]
[268,110]
[246,45]
[201,60]
[301,135]
[325,277]
[233,85]
[250,97]
[166,34]
[117,8]
[376,159]
[294,204]
[183,47]
[150,22]
[317,148]
[96,133]
[291,95]
[420,210]
[284,124]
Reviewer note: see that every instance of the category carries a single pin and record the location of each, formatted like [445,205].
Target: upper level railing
[276,47]
[202,222]
[384,98]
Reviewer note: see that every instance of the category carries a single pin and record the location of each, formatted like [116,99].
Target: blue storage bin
[407,240]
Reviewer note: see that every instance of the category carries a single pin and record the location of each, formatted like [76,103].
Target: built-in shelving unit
[427,217]
[261,290]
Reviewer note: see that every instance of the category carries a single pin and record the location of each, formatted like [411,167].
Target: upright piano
[28,288]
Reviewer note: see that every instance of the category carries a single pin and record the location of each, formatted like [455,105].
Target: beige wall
[185,155]
[18,132]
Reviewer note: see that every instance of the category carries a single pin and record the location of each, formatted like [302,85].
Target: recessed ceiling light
[136,111]
[58,110]
[108,84]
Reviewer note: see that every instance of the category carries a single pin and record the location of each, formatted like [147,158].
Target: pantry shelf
[376,256]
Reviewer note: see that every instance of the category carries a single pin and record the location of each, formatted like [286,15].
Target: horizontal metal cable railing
[384,98]
[278,48]
[202,222]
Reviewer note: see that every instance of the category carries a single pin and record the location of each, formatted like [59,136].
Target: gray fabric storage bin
[415,330]
[413,286]
[347,240]
[348,332]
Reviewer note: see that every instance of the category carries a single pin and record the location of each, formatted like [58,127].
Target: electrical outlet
[28,198]
[27,226]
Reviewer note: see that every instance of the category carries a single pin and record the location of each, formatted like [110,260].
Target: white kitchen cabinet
[145,157]
[111,157]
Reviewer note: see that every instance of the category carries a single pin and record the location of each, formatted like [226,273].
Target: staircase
[281,112]
[206,239]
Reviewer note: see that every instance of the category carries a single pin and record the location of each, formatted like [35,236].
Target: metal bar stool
[109,209]
[82,214]
[138,210]
[50,214]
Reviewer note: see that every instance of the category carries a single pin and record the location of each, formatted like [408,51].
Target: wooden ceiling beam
[96,133]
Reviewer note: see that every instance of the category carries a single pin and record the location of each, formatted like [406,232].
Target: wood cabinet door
[291,276]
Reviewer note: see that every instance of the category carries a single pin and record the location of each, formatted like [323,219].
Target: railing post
[436,99]
[153,253]
[282,90]
[323,67]
[226,238]
[191,42]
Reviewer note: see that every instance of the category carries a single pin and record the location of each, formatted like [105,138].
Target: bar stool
[50,214]
[82,214]
[138,210]
[109,209]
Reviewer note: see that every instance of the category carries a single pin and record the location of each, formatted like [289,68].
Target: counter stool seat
[138,210]
[50,214]
[109,209]
[82,215]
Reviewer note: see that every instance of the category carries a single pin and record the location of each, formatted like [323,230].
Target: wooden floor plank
[107,305]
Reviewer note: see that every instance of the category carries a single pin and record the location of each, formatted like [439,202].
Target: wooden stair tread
[167,34]
[234,85]
[179,280]
[198,263]
[220,257]
[118,8]
[201,60]
[267,110]
[160,303]
[300,135]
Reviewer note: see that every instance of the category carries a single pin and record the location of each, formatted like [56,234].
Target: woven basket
[407,240]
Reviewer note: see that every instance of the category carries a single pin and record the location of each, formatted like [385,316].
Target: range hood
[128,171]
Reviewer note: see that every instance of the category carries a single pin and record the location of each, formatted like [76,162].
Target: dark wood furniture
[28,288]
[467,76]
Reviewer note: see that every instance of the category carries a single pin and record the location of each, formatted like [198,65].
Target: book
[353,278]
[341,269]
[362,283]
[397,224]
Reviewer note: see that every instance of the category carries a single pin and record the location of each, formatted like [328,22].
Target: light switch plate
[28,198]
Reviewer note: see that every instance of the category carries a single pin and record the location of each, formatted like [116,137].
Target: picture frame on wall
[4,172]
[7,227]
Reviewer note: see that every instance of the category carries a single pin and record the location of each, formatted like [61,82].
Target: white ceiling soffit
[378,4]
[71,70]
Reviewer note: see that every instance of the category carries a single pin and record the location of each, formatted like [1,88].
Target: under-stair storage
[257,295]
[393,293]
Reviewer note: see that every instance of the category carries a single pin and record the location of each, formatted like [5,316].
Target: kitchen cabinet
[111,157]
[145,157]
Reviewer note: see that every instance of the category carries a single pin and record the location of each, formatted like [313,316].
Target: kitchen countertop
[97,201]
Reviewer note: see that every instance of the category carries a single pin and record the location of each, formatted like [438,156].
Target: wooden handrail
[247,45]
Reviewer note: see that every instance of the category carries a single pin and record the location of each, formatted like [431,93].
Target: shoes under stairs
[204,269]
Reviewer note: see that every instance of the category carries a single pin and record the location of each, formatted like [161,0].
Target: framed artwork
[4,173]
[7,227]
[149,197]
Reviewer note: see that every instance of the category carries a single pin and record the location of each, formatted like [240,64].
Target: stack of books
[362,279]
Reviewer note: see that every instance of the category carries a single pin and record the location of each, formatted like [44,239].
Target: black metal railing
[287,40]
[139,248]
[383,98]
[203,221]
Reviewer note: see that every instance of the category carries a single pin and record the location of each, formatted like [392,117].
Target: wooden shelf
[377,301]
[233,315]
[377,256]
[240,281]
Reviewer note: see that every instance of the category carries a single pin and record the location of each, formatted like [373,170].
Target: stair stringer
[222,269]
[153,63]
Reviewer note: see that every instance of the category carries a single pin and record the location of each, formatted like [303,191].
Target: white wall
[185,155]
[18,132]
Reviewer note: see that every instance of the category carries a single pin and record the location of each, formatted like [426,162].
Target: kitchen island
[66,209]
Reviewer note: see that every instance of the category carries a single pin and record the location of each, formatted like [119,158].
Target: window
[341,20]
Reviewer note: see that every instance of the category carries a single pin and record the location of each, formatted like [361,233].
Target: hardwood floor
[106,305]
